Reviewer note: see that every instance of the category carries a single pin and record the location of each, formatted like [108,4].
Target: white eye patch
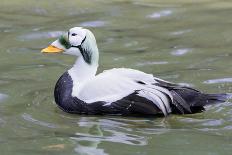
[76,35]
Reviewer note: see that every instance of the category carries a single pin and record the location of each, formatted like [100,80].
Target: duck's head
[77,41]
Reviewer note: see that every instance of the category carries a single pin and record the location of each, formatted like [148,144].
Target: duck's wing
[131,74]
[117,85]
[106,87]
[136,75]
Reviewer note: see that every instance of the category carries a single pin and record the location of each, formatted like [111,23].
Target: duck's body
[154,98]
[119,91]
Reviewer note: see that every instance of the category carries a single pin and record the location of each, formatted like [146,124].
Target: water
[180,41]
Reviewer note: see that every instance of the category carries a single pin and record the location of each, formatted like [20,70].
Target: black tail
[217,98]
[187,100]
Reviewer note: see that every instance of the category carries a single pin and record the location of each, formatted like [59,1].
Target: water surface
[177,40]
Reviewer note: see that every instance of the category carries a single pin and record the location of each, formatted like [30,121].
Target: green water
[177,40]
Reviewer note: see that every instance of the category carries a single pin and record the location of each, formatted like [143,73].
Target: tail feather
[180,103]
[197,101]
[188,100]
[217,98]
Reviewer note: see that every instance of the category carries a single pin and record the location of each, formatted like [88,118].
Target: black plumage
[187,100]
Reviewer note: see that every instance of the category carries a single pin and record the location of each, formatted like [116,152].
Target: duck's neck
[82,71]
[86,65]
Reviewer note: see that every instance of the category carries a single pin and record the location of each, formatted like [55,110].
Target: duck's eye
[74,34]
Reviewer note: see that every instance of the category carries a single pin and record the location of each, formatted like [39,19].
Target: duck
[118,91]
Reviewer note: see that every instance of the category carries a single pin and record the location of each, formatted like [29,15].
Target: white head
[79,42]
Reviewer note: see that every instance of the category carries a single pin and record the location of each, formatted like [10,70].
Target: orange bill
[52,49]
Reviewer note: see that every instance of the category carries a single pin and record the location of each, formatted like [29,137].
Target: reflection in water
[114,136]
[104,130]
[29,118]
[89,150]
[91,137]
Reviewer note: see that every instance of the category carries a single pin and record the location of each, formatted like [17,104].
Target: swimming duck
[119,91]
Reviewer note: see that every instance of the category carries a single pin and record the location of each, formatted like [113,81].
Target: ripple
[86,122]
[97,23]
[157,15]
[222,80]
[180,52]
[116,137]
[155,131]
[106,123]
[40,35]
[131,44]
[192,120]
[89,150]
[173,76]
[3,82]
[213,123]
[40,11]
[3,97]
[180,32]
[29,118]
[229,127]
[119,58]
[148,63]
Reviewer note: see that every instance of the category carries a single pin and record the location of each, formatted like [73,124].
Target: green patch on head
[64,41]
